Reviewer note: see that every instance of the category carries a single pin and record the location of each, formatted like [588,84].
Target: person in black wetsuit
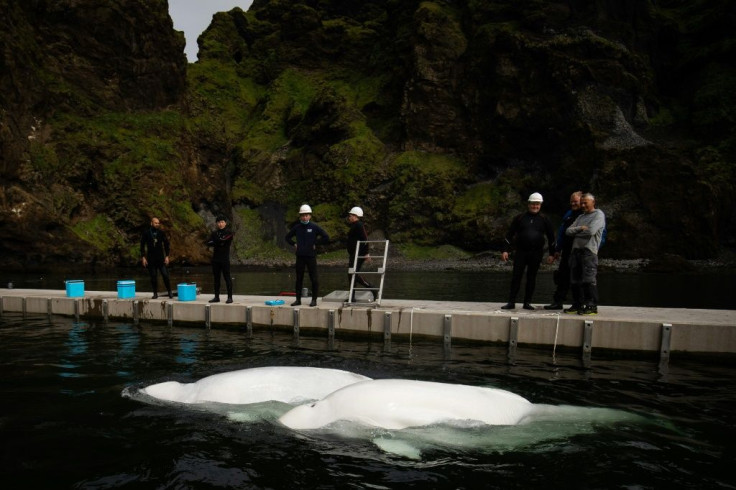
[155,255]
[357,234]
[308,235]
[220,241]
[527,233]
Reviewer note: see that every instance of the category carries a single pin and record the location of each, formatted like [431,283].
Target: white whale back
[278,383]
[398,404]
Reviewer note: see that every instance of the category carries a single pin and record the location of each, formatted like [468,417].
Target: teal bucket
[74,288]
[186,291]
[126,289]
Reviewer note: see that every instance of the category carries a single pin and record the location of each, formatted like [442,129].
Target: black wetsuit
[357,234]
[307,236]
[564,245]
[220,241]
[155,248]
[527,234]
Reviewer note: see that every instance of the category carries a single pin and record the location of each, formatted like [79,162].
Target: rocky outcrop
[77,58]
[438,117]
[550,98]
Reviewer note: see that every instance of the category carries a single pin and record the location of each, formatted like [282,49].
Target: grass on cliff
[250,245]
[428,184]
[99,232]
[135,171]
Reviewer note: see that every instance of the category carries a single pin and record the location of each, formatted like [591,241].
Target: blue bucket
[126,289]
[74,288]
[187,291]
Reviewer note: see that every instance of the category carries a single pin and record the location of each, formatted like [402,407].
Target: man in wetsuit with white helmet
[526,234]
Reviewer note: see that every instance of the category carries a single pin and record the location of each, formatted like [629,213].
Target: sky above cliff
[194,16]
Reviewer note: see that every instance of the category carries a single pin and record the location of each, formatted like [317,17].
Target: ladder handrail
[381,270]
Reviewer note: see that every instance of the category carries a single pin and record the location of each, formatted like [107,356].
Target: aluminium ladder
[380,271]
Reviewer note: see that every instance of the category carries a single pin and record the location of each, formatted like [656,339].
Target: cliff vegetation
[437,117]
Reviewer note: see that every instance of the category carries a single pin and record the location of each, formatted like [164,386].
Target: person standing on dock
[527,233]
[357,234]
[155,255]
[220,241]
[307,235]
[587,233]
[563,248]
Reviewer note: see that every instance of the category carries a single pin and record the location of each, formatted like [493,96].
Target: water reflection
[168,447]
[187,349]
[709,289]
[129,338]
[77,346]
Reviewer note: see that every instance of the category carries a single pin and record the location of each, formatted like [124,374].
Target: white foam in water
[398,447]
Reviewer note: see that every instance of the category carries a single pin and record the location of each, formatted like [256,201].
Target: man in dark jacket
[357,234]
[155,255]
[527,233]
[307,235]
[220,241]
[562,252]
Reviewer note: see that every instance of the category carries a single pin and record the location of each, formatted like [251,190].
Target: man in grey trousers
[586,232]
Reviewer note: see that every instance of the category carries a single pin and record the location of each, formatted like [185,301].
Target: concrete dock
[656,330]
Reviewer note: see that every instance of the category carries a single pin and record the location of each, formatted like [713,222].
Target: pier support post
[76,310]
[664,349]
[105,311]
[23,302]
[331,329]
[331,324]
[207,316]
[249,320]
[387,328]
[49,308]
[296,324]
[447,331]
[513,336]
[587,342]
[170,313]
[134,304]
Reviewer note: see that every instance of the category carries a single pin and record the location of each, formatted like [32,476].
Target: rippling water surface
[65,422]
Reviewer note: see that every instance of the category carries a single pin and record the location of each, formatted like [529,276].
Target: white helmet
[536,197]
[356,211]
[305,209]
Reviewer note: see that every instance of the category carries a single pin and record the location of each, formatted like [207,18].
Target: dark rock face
[87,56]
[438,117]
[550,97]
[81,57]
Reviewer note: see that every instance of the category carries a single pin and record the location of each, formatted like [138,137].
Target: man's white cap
[536,197]
[305,209]
[356,211]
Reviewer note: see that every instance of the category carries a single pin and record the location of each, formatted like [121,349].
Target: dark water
[65,424]
[713,289]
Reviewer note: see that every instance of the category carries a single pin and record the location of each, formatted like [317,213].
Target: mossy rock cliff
[437,117]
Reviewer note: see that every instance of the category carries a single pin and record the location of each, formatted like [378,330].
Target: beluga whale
[287,384]
[397,404]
